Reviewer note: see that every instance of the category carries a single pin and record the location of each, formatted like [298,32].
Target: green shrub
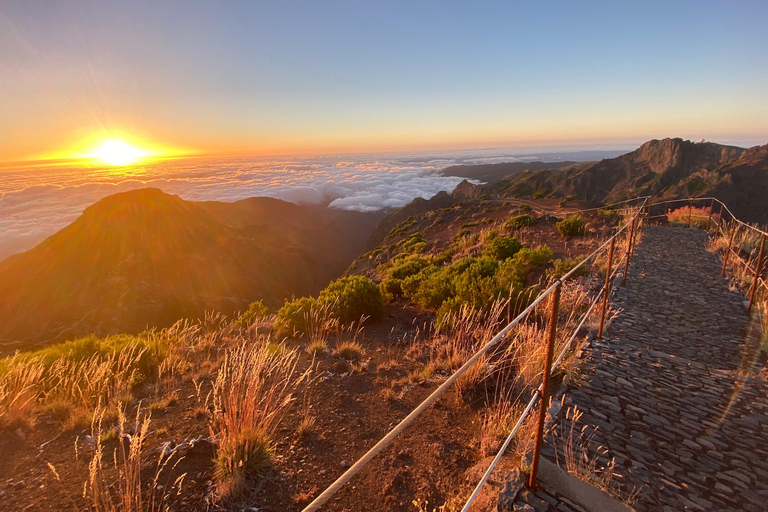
[391,284]
[575,225]
[519,221]
[352,297]
[502,247]
[462,234]
[562,267]
[255,311]
[524,208]
[413,244]
[292,316]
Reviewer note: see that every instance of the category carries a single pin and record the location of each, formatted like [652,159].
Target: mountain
[146,258]
[668,168]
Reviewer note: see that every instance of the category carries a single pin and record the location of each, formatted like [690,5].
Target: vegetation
[562,267]
[697,216]
[251,394]
[575,225]
[347,299]
[256,311]
[520,221]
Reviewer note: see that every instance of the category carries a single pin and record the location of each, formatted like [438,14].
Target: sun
[118,152]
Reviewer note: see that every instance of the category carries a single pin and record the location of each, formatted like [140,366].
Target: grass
[251,395]
[114,480]
[349,350]
[697,216]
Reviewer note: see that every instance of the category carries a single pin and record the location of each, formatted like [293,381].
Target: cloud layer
[35,203]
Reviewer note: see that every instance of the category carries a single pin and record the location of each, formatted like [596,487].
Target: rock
[345,464]
[509,491]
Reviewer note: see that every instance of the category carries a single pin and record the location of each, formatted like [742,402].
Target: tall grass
[251,394]
[697,216]
[118,487]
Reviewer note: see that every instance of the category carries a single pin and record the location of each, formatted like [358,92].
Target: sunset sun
[118,152]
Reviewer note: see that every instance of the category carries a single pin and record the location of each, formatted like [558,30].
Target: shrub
[524,208]
[413,244]
[353,297]
[575,225]
[562,267]
[391,285]
[502,247]
[294,313]
[519,221]
[256,310]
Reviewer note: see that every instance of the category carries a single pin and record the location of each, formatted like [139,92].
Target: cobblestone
[673,387]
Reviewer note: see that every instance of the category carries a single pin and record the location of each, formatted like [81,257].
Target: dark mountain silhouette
[145,258]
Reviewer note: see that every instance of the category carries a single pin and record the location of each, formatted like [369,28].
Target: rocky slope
[666,169]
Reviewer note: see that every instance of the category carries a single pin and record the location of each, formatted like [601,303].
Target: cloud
[34,205]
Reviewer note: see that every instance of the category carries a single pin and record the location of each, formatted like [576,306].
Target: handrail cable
[387,439]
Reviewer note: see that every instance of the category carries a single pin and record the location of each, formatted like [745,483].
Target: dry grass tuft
[251,395]
[119,488]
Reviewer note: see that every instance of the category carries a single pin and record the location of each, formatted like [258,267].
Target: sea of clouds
[37,201]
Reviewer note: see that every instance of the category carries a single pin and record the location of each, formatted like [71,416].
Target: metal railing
[641,211]
[629,231]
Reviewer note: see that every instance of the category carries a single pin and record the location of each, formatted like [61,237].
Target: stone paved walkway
[686,426]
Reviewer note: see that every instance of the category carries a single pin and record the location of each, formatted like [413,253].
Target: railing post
[629,254]
[690,209]
[711,206]
[719,220]
[757,274]
[730,244]
[554,305]
[606,288]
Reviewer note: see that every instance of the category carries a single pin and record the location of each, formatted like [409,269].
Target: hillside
[666,169]
[145,258]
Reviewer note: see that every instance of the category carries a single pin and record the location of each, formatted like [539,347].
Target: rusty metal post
[635,230]
[711,206]
[757,274]
[690,209]
[719,220]
[554,305]
[629,254]
[606,288]
[730,244]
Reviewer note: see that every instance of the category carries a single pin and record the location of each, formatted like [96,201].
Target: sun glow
[118,152]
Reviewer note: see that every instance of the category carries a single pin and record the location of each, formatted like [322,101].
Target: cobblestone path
[666,389]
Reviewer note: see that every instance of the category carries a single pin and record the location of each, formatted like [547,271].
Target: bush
[575,225]
[698,217]
[391,285]
[255,311]
[293,315]
[502,247]
[519,221]
[353,297]
[524,208]
[413,244]
[562,267]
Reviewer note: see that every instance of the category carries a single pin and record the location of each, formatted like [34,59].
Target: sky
[269,78]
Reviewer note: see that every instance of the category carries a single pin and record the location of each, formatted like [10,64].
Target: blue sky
[277,77]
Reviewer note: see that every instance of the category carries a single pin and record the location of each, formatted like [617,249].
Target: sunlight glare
[117,152]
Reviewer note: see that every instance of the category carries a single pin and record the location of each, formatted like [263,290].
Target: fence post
[730,244]
[606,288]
[690,209]
[629,254]
[554,305]
[711,205]
[719,220]
[757,274]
